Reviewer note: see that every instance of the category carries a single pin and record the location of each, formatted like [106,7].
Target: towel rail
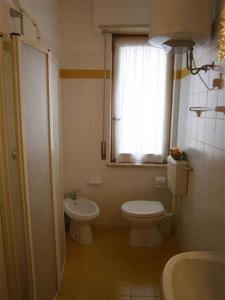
[200,109]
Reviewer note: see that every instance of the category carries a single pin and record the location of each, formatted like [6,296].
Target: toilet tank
[177,176]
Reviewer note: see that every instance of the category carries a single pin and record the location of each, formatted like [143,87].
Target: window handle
[116,119]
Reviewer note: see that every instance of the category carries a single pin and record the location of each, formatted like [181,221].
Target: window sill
[132,165]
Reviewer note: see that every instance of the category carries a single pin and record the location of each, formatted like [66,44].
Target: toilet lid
[143,208]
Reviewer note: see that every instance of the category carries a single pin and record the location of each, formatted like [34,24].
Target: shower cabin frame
[5,193]
[6,203]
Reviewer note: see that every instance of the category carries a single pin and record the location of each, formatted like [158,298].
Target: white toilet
[82,212]
[145,215]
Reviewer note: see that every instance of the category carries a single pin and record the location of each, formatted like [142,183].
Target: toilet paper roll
[160,182]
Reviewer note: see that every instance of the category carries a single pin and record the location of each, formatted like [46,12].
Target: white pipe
[173,207]
[22,10]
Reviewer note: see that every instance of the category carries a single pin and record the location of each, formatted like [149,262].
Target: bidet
[82,212]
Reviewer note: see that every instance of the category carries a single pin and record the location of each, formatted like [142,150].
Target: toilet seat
[143,208]
[81,209]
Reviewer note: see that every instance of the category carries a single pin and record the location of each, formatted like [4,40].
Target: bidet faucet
[73,194]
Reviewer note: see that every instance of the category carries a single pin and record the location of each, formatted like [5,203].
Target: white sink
[194,276]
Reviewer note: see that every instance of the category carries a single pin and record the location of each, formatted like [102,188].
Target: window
[141,101]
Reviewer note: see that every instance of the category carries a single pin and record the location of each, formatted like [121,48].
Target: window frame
[112,158]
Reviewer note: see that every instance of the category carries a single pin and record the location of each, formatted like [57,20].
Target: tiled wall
[201,216]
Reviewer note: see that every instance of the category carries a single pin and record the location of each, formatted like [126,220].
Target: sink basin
[194,276]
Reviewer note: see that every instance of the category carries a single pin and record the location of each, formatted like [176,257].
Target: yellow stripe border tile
[72,73]
[99,74]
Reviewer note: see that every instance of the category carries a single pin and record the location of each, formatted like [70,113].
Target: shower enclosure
[30,162]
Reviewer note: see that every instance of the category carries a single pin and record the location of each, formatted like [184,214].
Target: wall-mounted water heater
[180,23]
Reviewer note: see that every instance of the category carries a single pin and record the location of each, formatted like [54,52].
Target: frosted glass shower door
[10,200]
[33,108]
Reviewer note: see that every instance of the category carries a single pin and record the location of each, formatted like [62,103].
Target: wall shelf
[199,109]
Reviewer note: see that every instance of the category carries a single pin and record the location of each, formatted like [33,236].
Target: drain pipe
[172,212]
[169,216]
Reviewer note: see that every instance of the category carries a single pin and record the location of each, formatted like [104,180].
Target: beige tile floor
[111,269]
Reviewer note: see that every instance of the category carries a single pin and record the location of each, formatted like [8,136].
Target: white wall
[201,217]
[117,12]
[201,212]
[82,48]
[44,12]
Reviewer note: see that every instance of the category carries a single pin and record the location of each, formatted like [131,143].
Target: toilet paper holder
[160,182]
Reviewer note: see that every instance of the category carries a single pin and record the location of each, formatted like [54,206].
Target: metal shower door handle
[14,154]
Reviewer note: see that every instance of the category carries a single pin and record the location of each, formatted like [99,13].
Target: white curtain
[140,101]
